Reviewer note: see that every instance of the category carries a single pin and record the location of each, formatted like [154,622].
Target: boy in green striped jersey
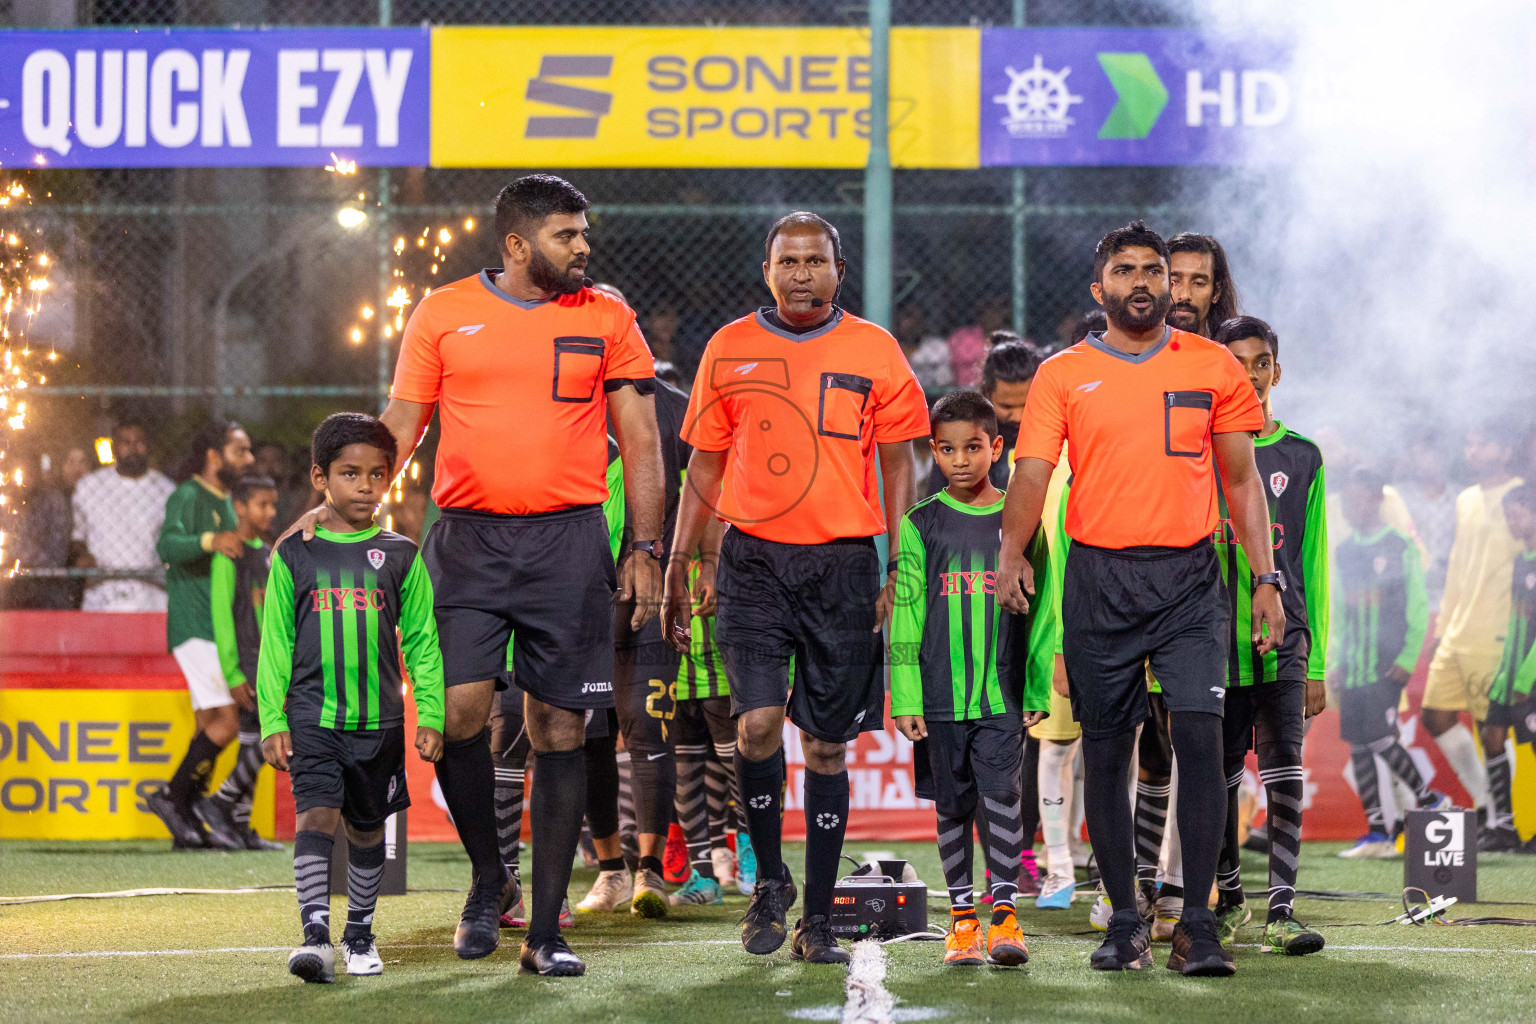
[237,586]
[966,678]
[1269,696]
[1383,605]
[340,611]
[1511,702]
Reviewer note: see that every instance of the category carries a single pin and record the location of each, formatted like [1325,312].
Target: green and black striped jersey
[955,654]
[1383,606]
[1291,469]
[1517,671]
[702,670]
[339,612]
[237,586]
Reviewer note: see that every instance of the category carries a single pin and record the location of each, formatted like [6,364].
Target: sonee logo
[828,820]
[760,802]
[588,103]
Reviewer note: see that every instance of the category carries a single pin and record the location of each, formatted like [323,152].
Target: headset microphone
[817,303]
[586,282]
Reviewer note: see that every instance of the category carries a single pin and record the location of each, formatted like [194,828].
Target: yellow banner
[698,97]
[75,764]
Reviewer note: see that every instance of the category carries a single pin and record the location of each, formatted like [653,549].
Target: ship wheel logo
[1038,100]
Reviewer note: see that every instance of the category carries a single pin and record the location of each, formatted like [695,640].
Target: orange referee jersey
[801,416]
[521,389]
[1139,429]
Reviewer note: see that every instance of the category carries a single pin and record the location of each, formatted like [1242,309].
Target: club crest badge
[1278,483]
[375,558]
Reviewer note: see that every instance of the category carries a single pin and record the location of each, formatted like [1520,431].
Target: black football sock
[956,852]
[365,873]
[1363,761]
[1029,792]
[692,803]
[556,806]
[602,787]
[191,776]
[1002,842]
[312,879]
[826,820]
[610,863]
[1229,882]
[1197,746]
[1400,763]
[653,782]
[241,784]
[651,864]
[1106,806]
[468,783]
[1284,788]
[1151,822]
[762,787]
[1501,810]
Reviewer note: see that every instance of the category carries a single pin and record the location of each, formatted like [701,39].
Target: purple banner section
[214,98]
[1067,97]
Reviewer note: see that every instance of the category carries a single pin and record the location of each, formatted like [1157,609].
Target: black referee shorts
[545,581]
[814,603]
[1122,608]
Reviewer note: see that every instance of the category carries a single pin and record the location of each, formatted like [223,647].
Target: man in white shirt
[118,512]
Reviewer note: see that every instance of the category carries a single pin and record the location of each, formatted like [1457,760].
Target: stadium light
[351,217]
[104,450]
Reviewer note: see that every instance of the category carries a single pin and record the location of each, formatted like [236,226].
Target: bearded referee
[790,411]
[524,365]
[1144,409]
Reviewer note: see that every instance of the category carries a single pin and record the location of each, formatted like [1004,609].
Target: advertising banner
[214,98]
[1095,96]
[77,763]
[696,97]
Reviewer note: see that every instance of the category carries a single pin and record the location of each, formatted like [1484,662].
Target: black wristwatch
[890,567]
[1275,579]
[654,548]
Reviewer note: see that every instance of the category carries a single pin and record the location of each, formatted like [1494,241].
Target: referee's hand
[1015,580]
[1267,612]
[640,582]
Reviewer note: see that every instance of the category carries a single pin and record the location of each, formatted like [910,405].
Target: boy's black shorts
[812,602]
[1125,607]
[1369,713]
[1267,717]
[546,582]
[644,682]
[961,760]
[1520,716]
[359,771]
[705,721]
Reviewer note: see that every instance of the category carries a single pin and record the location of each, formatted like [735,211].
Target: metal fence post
[877,173]
[1020,254]
[386,18]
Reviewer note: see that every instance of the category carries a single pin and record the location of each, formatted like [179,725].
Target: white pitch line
[868,1000]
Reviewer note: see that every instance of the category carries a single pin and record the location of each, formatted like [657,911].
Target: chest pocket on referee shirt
[840,409]
[1186,423]
[578,368]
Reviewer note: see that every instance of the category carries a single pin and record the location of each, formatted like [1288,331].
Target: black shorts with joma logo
[545,582]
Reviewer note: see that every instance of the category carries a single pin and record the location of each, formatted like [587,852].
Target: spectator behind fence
[41,541]
[118,511]
[968,345]
[927,352]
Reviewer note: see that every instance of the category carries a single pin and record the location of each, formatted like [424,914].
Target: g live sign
[176,98]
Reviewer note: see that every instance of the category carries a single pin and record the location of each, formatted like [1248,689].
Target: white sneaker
[611,891]
[1099,916]
[650,895]
[313,963]
[725,865]
[1055,892]
[1373,846]
[362,956]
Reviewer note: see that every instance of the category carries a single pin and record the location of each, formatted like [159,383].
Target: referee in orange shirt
[790,411]
[525,365]
[1144,409]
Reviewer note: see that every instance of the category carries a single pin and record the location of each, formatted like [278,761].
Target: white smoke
[1394,246]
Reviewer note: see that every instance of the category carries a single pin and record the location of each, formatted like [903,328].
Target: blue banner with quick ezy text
[215,98]
[1095,96]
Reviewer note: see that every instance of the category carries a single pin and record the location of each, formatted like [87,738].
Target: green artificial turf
[689,967]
